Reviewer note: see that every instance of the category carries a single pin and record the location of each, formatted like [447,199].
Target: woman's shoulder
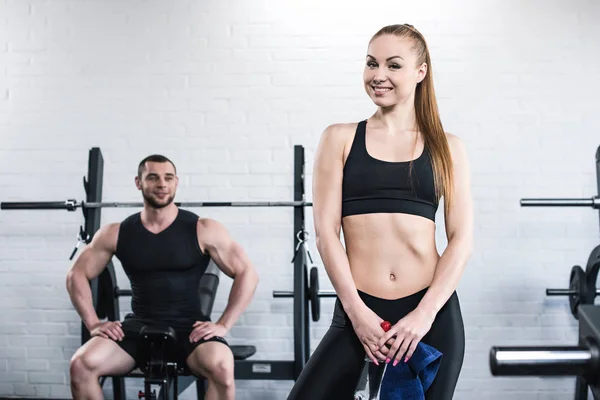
[339,132]
[456,145]
[452,138]
[338,136]
[341,128]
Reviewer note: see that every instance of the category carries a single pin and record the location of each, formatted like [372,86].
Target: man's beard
[154,204]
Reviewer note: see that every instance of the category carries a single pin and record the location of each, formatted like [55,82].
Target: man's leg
[97,357]
[214,361]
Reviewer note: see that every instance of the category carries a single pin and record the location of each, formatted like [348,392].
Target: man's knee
[82,366]
[88,359]
[218,365]
[222,372]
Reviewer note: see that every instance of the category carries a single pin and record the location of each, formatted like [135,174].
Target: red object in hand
[386,325]
[141,395]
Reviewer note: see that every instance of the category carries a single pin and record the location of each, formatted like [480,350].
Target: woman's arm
[459,230]
[327,214]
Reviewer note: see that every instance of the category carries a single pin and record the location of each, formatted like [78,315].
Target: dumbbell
[582,284]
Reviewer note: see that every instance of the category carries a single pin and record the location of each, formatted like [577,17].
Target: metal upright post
[104,303]
[581,386]
[300,280]
[93,190]
[598,175]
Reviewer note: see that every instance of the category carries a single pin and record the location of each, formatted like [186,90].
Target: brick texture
[226,89]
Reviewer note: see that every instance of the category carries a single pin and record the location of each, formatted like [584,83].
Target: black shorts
[132,343]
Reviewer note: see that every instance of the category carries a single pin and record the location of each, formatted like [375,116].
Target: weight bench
[162,371]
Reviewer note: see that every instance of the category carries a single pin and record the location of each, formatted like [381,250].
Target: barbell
[72,204]
[593,202]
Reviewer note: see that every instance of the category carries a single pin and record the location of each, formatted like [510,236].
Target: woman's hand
[366,324]
[406,334]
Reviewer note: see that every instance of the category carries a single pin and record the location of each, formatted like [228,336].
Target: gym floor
[227,89]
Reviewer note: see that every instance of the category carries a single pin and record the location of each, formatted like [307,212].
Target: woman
[382,180]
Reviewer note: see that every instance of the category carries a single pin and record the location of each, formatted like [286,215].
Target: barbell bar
[321,293]
[565,292]
[276,293]
[123,292]
[593,202]
[544,361]
[72,205]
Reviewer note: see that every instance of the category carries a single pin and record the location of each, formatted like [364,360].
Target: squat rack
[582,284]
[304,291]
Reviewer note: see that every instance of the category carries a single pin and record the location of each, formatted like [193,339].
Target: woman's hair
[428,117]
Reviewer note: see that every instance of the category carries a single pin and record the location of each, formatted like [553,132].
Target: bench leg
[175,381]
[147,390]
[170,381]
[200,388]
[118,388]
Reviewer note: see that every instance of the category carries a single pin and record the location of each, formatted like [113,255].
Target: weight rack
[582,284]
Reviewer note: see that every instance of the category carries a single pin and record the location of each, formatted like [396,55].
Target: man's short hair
[153,158]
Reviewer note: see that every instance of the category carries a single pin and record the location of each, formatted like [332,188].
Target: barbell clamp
[71,204]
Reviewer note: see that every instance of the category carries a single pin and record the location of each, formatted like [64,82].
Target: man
[164,251]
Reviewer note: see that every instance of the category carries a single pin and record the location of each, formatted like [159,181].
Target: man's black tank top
[371,185]
[164,270]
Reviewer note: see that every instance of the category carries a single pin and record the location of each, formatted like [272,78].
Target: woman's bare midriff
[391,255]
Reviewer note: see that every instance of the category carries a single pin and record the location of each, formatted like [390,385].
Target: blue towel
[410,381]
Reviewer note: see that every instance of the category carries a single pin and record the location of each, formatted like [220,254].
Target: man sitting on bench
[164,251]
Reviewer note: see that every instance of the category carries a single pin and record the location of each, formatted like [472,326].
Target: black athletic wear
[371,185]
[132,343]
[164,270]
[333,370]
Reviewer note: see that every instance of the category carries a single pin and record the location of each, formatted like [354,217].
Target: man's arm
[90,263]
[231,258]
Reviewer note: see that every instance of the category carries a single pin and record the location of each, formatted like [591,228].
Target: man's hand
[206,330]
[108,330]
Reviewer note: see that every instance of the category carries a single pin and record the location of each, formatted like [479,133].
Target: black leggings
[333,369]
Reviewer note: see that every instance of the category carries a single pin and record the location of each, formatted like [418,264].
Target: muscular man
[164,251]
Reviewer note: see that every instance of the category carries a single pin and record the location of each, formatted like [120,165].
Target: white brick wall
[206,82]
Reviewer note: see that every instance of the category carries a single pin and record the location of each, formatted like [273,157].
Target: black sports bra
[371,185]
